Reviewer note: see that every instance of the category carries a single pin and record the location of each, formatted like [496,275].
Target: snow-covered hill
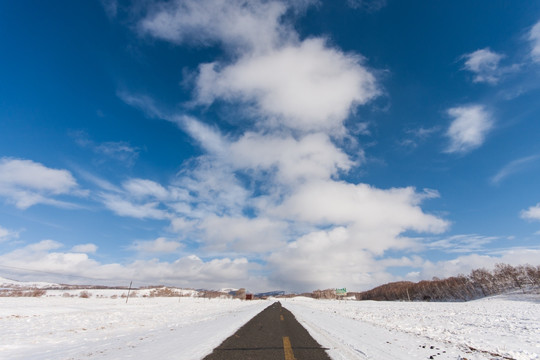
[14,284]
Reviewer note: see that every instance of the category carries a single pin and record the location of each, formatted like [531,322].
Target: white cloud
[329,259]
[141,188]
[213,188]
[469,128]
[85,248]
[322,259]
[3,233]
[311,157]
[159,245]
[514,167]
[243,235]
[41,247]
[484,63]
[532,213]
[534,37]
[42,260]
[248,25]
[273,192]
[367,208]
[6,234]
[304,87]
[26,183]
[364,222]
[123,206]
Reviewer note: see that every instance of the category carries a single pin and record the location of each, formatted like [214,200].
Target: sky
[267,144]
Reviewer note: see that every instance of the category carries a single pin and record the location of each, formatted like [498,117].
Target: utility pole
[129,290]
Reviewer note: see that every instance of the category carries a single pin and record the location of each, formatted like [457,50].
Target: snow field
[103,328]
[507,326]
[58,326]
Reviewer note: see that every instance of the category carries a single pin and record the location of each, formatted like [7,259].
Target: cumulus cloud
[248,25]
[468,129]
[534,37]
[366,207]
[304,87]
[484,63]
[243,235]
[322,259]
[44,260]
[273,190]
[532,213]
[26,183]
[313,156]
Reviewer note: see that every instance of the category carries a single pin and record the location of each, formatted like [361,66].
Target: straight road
[273,334]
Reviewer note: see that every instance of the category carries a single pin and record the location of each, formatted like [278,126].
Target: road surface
[273,334]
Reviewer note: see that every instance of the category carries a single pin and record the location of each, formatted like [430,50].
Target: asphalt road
[273,334]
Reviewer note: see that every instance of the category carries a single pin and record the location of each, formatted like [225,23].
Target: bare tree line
[479,283]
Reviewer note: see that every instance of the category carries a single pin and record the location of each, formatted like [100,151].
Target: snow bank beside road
[404,330]
[104,328]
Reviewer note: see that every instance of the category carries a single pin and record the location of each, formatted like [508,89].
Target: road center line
[289,355]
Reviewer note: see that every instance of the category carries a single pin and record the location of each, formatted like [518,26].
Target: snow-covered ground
[59,326]
[507,326]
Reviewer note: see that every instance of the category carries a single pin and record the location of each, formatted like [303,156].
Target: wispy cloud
[515,166]
[485,65]
[7,234]
[118,150]
[414,137]
[367,5]
[462,243]
[469,128]
[534,38]
[159,245]
[111,7]
[123,206]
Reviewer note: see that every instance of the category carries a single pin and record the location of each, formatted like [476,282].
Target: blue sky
[288,145]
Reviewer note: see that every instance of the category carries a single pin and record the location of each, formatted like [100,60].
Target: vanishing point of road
[273,334]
